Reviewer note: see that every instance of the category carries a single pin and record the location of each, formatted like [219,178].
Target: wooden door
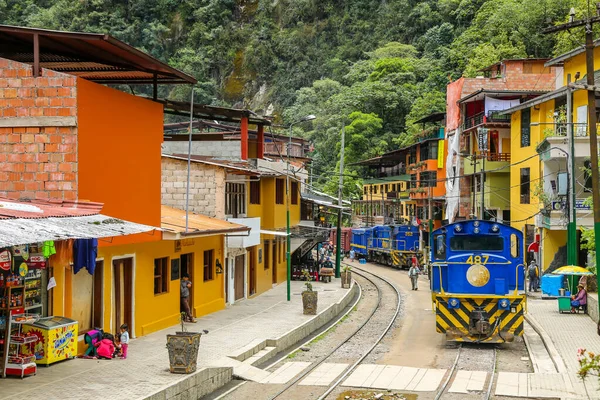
[239,278]
[122,292]
[187,268]
[275,261]
[252,271]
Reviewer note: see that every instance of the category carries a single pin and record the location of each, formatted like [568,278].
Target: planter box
[183,351]
[309,302]
[346,279]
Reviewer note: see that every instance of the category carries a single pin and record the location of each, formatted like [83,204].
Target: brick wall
[38,133]
[207,187]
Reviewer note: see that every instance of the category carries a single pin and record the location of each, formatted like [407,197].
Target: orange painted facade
[119,150]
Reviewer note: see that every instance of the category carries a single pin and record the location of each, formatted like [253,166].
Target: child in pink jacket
[105,348]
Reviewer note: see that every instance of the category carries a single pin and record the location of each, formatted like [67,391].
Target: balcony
[493,162]
[555,144]
[492,117]
[431,133]
[280,148]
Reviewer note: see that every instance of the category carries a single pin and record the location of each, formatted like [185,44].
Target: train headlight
[476,223]
[458,228]
[504,304]
[453,303]
[495,228]
[476,230]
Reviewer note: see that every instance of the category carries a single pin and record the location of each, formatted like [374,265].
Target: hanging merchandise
[22,251]
[84,255]
[48,248]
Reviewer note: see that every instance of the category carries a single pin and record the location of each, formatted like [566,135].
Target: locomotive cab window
[476,243]
[514,246]
[439,247]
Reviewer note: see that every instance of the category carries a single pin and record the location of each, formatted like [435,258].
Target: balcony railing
[560,129]
[483,118]
[498,157]
[274,148]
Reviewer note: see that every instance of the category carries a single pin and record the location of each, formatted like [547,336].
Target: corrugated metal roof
[94,56]
[236,165]
[35,230]
[172,221]
[37,209]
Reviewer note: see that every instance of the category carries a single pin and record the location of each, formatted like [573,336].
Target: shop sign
[5,260]
[36,261]
[187,242]
[581,205]
[177,246]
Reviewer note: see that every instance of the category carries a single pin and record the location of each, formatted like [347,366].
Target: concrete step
[262,356]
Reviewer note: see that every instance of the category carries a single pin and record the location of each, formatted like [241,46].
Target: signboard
[440,154]
[580,205]
[5,260]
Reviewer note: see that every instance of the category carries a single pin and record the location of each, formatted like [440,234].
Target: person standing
[185,298]
[124,340]
[413,274]
[533,274]
[352,255]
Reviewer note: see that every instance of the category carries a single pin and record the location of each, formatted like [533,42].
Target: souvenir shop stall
[23,301]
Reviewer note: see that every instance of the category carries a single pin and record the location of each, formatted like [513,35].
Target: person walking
[185,298]
[413,274]
[533,274]
[352,255]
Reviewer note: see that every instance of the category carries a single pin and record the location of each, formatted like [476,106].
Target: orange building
[66,136]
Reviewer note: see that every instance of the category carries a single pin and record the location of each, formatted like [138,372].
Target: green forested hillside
[373,66]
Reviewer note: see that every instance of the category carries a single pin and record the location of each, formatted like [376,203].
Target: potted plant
[183,350]
[309,297]
[346,276]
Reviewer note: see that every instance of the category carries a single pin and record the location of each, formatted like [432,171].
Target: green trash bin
[564,304]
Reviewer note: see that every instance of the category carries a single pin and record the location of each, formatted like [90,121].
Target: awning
[172,222]
[17,231]
[274,233]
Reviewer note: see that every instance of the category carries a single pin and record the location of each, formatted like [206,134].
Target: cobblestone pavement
[145,371]
[568,333]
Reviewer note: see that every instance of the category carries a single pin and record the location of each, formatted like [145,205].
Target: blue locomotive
[392,245]
[477,281]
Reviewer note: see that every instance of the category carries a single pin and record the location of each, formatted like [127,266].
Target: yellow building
[544,123]
[149,297]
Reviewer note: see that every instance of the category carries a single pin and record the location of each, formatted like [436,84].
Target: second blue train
[392,245]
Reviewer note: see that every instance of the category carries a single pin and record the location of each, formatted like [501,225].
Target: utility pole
[572,226]
[588,23]
[338,250]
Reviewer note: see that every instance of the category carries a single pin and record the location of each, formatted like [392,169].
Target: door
[226,271]
[252,272]
[187,268]
[122,293]
[274,264]
[239,278]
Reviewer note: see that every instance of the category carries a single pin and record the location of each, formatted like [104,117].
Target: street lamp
[287,203]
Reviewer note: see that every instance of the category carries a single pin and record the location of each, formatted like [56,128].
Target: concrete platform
[238,333]
[395,377]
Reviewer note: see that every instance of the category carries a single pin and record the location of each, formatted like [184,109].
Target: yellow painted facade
[150,312]
[551,242]
[272,268]
[522,213]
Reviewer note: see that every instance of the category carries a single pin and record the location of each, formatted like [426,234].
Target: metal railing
[483,118]
[275,148]
[552,129]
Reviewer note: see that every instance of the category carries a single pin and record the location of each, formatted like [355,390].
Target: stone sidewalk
[567,333]
[145,372]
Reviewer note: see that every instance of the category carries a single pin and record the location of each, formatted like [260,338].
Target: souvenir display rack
[19,358]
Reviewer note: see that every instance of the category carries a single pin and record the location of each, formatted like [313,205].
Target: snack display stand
[19,358]
[33,291]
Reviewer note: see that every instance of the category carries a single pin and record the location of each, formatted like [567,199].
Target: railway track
[379,312]
[464,362]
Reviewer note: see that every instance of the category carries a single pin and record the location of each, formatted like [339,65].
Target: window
[374,189]
[235,199]
[266,253]
[294,193]
[365,190]
[208,265]
[428,179]
[393,187]
[525,127]
[587,176]
[413,181]
[476,243]
[525,185]
[161,277]
[279,187]
[514,246]
[412,156]
[439,247]
[429,151]
[254,192]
